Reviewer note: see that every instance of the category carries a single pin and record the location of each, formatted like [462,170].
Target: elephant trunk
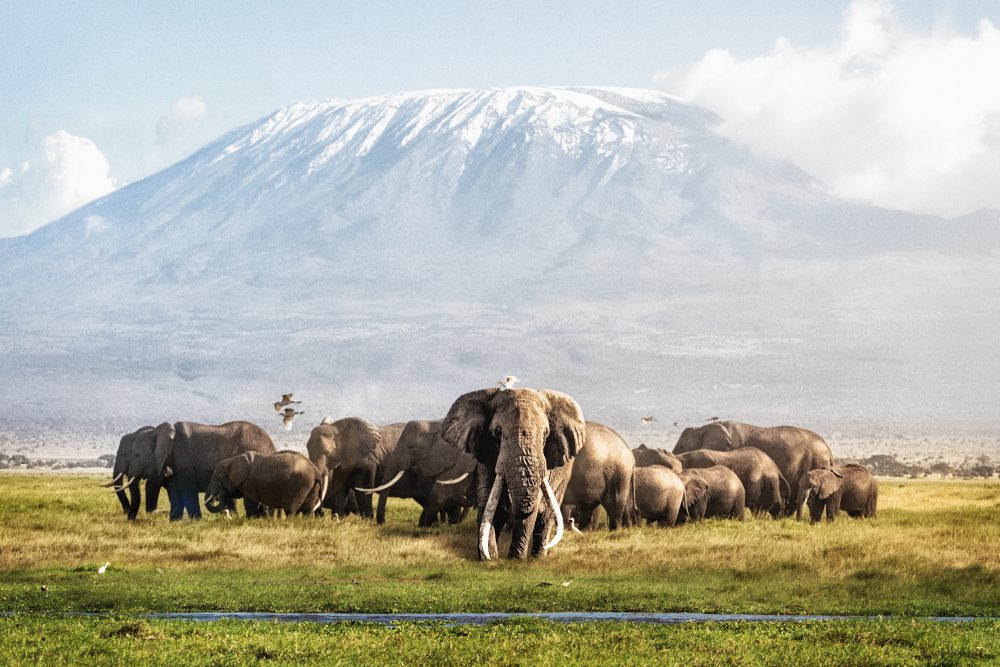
[486,522]
[525,482]
[802,499]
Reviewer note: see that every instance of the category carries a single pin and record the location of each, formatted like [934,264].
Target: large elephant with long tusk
[181,457]
[423,466]
[524,442]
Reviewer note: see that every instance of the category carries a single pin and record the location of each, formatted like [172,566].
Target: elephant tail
[633,506]
[872,503]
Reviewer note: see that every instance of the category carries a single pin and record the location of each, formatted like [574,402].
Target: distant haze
[381,256]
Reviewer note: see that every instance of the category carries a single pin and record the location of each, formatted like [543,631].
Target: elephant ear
[438,456]
[567,429]
[357,440]
[466,425]
[321,443]
[237,468]
[165,435]
[717,437]
[696,489]
[830,482]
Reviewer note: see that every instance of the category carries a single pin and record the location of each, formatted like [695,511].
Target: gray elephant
[285,481]
[127,471]
[649,456]
[424,467]
[351,450]
[794,450]
[602,477]
[712,492]
[524,442]
[182,457]
[659,494]
[766,489]
[850,487]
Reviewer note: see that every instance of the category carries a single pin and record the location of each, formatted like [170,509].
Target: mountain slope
[390,252]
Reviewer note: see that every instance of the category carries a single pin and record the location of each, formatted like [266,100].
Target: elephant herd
[524,458]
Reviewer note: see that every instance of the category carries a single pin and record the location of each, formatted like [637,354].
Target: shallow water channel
[496,617]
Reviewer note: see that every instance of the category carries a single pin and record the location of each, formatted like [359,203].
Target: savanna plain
[932,550]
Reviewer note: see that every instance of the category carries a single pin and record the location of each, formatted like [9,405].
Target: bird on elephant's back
[794,450]
[524,442]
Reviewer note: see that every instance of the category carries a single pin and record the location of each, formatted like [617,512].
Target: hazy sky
[897,104]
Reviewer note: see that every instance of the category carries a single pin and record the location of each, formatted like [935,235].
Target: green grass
[934,549]
[124,641]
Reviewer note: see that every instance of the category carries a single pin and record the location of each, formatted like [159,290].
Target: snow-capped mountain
[387,253]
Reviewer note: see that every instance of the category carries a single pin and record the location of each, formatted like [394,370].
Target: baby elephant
[712,492]
[849,487]
[285,480]
[659,493]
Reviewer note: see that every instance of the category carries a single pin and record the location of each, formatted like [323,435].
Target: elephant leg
[428,517]
[135,501]
[380,512]
[831,511]
[365,479]
[152,495]
[176,504]
[251,507]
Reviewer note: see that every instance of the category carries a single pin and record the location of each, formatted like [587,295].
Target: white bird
[507,382]
[647,420]
[102,569]
[572,526]
[288,416]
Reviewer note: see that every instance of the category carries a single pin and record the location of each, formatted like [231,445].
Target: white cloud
[903,120]
[64,173]
[185,115]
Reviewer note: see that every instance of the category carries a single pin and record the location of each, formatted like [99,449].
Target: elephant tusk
[555,509]
[384,486]
[458,479]
[126,481]
[322,493]
[486,527]
[112,482]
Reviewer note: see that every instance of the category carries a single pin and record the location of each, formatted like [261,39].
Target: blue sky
[94,95]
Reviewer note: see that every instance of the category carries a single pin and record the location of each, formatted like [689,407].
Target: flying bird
[507,382]
[286,399]
[102,569]
[647,420]
[712,419]
[288,417]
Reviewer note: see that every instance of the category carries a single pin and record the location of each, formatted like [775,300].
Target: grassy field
[110,641]
[934,549]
